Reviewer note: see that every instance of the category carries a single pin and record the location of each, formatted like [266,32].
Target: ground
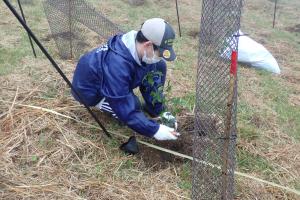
[46,155]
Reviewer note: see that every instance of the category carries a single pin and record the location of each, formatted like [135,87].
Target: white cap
[162,35]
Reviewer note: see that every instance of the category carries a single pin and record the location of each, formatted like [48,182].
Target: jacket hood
[116,44]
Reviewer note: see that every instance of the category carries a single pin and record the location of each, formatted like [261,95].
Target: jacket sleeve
[152,89]
[129,111]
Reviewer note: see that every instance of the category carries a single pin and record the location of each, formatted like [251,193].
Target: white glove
[165,133]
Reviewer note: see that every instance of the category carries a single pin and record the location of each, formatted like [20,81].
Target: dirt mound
[184,144]
[159,159]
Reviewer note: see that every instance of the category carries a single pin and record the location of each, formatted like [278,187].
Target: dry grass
[44,156]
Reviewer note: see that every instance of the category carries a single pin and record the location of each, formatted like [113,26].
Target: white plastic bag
[256,55]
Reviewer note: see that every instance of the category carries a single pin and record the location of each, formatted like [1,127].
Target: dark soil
[291,78]
[295,29]
[135,2]
[63,35]
[194,33]
[155,158]
[184,144]
[27,2]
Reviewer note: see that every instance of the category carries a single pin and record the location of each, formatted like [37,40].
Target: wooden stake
[275,10]
[227,137]
[178,20]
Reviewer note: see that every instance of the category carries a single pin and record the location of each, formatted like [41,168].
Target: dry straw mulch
[46,156]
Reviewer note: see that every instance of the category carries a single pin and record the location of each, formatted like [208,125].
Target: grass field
[47,156]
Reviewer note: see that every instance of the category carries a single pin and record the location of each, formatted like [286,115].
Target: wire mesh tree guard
[70,22]
[216,100]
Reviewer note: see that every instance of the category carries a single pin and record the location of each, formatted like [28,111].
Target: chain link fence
[216,98]
[76,26]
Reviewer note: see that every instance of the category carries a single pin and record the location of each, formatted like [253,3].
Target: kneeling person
[107,76]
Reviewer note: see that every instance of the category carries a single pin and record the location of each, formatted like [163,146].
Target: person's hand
[166,133]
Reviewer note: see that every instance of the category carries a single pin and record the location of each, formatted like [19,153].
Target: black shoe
[131,146]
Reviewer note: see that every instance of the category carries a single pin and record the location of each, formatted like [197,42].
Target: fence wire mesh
[76,26]
[216,98]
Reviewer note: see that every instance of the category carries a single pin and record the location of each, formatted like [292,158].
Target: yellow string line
[297,192]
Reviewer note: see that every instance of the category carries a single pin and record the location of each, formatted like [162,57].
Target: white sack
[254,55]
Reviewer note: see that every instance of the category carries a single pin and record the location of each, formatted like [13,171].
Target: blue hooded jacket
[110,71]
